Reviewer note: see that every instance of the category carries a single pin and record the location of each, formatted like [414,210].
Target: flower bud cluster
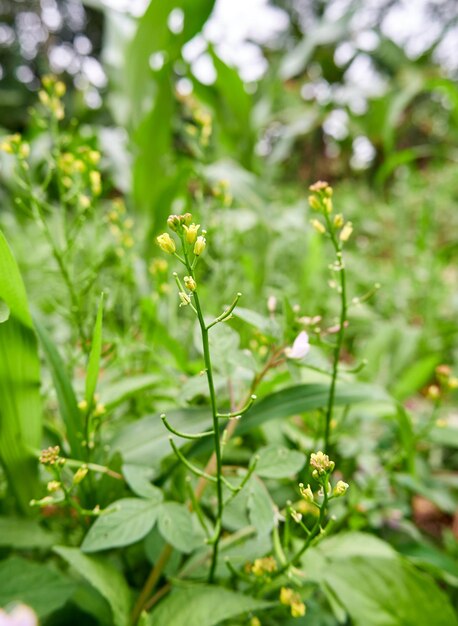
[51,96]
[320,201]
[264,566]
[288,597]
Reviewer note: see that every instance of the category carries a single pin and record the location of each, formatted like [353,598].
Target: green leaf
[146,441]
[20,402]
[375,585]
[40,586]
[444,436]
[307,397]
[279,462]
[261,510]
[415,377]
[66,398]
[261,322]
[105,578]
[177,526]
[116,392]
[19,533]
[203,606]
[94,357]
[125,522]
[139,478]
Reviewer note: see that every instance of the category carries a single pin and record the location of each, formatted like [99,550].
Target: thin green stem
[340,335]
[214,410]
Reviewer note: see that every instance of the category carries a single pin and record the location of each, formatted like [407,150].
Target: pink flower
[21,615]
[300,347]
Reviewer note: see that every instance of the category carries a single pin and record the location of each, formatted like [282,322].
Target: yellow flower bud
[433,392]
[340,489]
[298,609]
[306,492]
[174,222]
[191,232]
[85,202]
[200,245]
[319,185]
[53,485]
[96,182]
[315,203]
[82,405]
[99,409]
[80,475]
[190,283]
[60,89]
[318,226]
[286,596]
[166,243]
[338,220]
[346,232]
[327,203]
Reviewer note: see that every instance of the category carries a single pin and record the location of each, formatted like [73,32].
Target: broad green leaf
[105,578]
[261,322]
[20,402]
[375,585]
[4,311]
[68,406]
[261,510]
[116,392]
[177,526]
[438,562]
[20,533]
[40,586]
[203,606]
[444,436]
[146,441]
[125,522]
[94,357]
[139,478]
[415,377]
[307,397]
[279,462]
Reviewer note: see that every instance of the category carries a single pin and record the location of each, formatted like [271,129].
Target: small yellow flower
[200,245]
[327,203]
[321,463]
[286,596]
[53,485]
[85,202]
[60,89]
[340,489]
[318,226]
[185,299]
[166,243]
[82,405]
[346,232]
[96,182]
[99,410]
[338,220]
[306,492]
[255,621]
[315,203]
[320,185]
[298,609]
[191,232]
[190,283]
[266,565]
[433,392]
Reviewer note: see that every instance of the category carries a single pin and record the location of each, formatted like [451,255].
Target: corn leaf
[20,402]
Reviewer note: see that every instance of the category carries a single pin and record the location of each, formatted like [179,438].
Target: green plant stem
[338,347]
[216,435]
